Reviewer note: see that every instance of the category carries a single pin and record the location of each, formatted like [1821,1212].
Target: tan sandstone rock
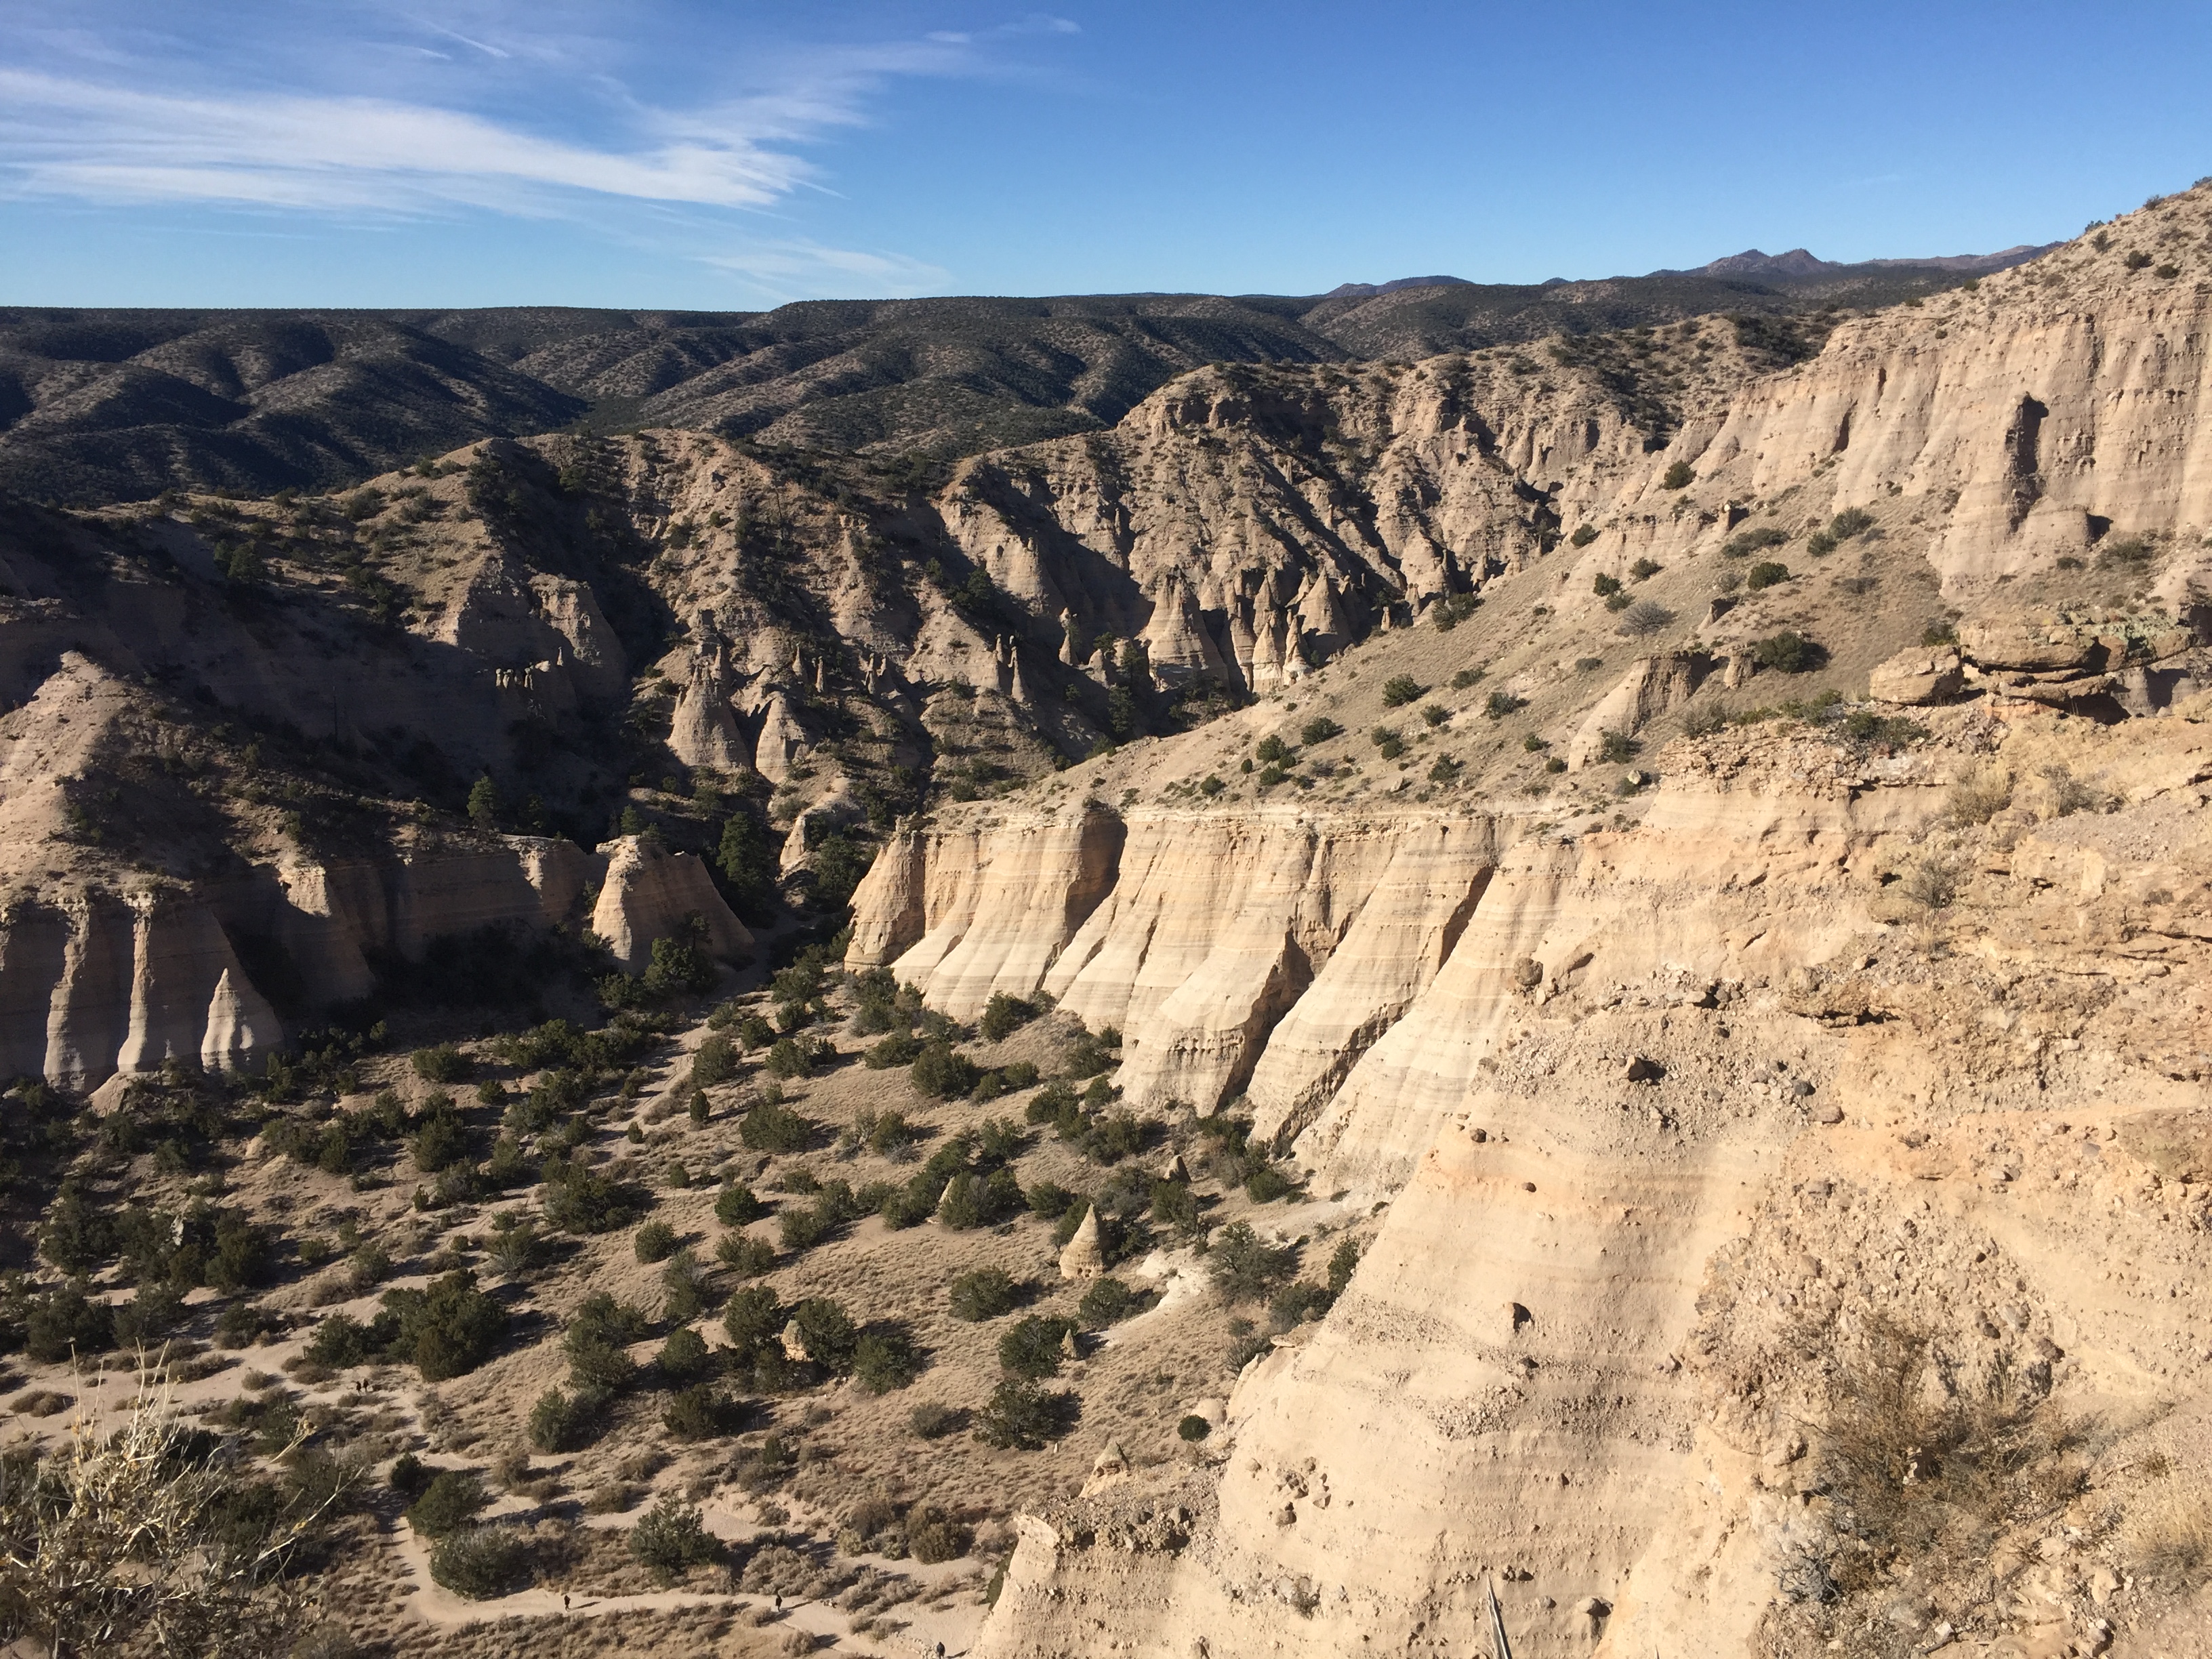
[1918,676]
[1082,1258]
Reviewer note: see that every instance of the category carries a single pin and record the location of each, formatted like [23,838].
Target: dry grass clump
[1926,1467]
[1978,798]
[2169,1539]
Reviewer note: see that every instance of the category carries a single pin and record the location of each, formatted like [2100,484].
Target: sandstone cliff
[1805,1042]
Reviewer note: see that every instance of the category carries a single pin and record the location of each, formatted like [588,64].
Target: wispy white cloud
[70,138]
[106,128]
[796,268]
[399,109]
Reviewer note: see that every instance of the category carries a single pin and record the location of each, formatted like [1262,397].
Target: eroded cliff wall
[1845,1056]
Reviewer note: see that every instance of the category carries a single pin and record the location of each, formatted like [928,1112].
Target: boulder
[1915,678]
[794,1344]
[2039,647]
[1109,1468]
[1084,1258]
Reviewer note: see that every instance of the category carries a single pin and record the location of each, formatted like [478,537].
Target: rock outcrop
[648,893]
[1652,687]
[1772,1059]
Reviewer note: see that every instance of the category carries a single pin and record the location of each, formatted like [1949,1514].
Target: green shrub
[933,1420]
[607,1319]
[1271,749]
[1604,586]
[1108,1302]
[580,1199]
[446,1330]
[752,1032]
[787,1058]
[1789,651]
[1115,1137]
[1765,574]
[441,1140]
[1295,1304]
[1455,609]
[559,1422]
[940,1073]
[1244,1268]
[899,1048]
[1341,1264]
[450,1502]
[746,1256]
[1004,1015]
[683,1287]
[1678,476]
[1748,542]
[1851,521]
[1319,729]
[1645,570]
[701,1412]
[1022,1416]
[1613,748]
[974,1200]
[1032,1347]
[1583,536]
[829,1333]
[1500,704]
[153,1314]
[443,1064]
[411,1475]
[1048,1102]
[655,1242]
[932,1536]
[1047,1200]
[65,1322]
[736,1205]
[982,1293]
[1401,689]
[770,1128]
[885,1358]
[1266,1183]
[714,1061]
[753,1321]
[339,1341]
[670,1539]
[1174,1205]
[480,1562]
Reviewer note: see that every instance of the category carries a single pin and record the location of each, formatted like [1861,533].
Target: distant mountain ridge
[102,406]
[1752,262]
[1364,290]
[1800,263]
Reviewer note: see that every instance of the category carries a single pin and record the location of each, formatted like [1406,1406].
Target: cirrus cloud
[68,137]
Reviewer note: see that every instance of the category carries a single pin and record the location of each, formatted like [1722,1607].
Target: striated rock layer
[1851,1076]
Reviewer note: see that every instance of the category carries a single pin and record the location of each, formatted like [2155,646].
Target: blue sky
[658,152]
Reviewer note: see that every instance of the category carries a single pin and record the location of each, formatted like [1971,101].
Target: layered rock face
[96,981]
[1849,1053]
[1195,934]
[1684,1101]
[648,893]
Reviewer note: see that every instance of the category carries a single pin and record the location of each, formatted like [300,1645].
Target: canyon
[1686,845]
